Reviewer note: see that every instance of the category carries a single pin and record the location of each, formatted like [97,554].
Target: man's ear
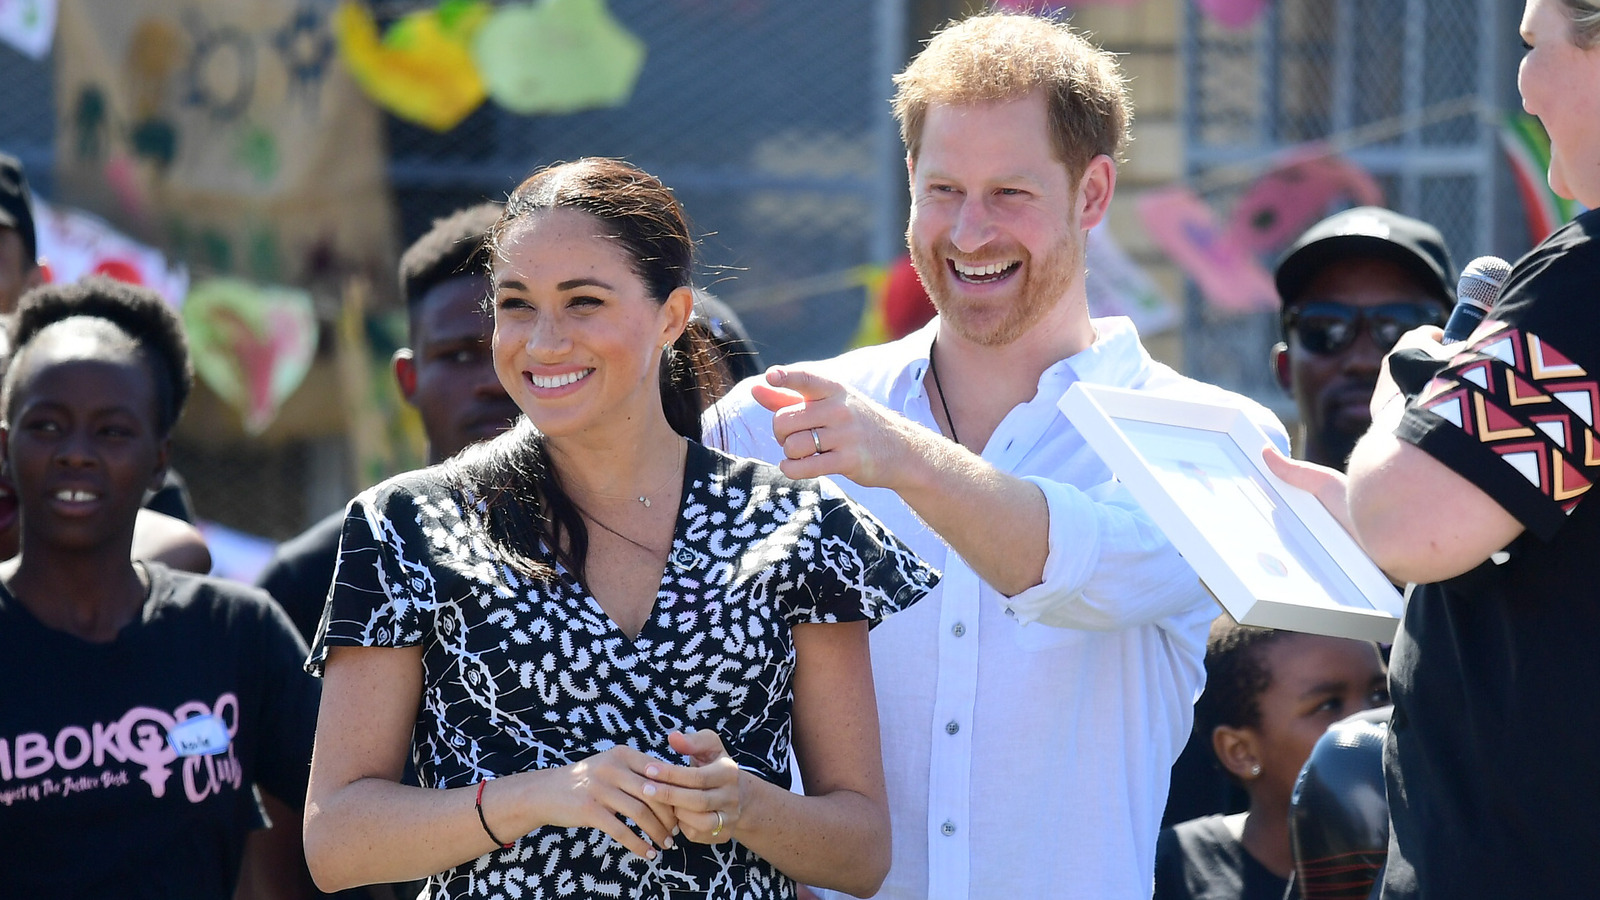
[1237,750]
[1280,366]
[405,372]
[1095,188]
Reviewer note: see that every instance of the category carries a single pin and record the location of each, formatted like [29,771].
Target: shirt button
[948,828]
[952,727]
[958,629]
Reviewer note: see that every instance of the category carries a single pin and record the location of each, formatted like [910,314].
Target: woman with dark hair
[597,638]
[1269,696]
[142,705]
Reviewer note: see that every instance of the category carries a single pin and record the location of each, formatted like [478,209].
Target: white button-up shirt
[1028,741]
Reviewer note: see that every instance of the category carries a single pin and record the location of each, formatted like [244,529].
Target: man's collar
[1115,358]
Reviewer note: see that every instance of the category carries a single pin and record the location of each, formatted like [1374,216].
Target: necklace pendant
[645,501]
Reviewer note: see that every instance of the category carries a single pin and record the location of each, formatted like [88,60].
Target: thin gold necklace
[644,498]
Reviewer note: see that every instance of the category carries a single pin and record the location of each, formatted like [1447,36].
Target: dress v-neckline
[667,565]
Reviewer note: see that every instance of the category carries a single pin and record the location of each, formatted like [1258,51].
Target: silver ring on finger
[717,830]
[816,441]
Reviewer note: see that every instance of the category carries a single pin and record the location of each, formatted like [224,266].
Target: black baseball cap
[16,205]
[1373,232]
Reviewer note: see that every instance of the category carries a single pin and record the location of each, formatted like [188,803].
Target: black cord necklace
[933,369]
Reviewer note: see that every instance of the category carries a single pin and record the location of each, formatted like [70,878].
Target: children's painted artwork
[1228,274]
[557,56]
[1295,194]
[226,134]
[421,69]
[74,244]
[1234,14]
[252,345]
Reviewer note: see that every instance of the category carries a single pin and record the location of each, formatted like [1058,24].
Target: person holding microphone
[1472,484]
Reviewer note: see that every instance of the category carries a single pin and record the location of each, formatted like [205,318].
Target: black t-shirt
[96,799]
[301,571]
[172,498]
[1202,860]
[1491,756]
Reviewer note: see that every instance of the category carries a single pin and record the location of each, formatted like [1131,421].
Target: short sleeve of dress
[859,570]
[382,582]
[1515,412]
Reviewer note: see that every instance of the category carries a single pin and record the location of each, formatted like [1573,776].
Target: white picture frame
[1269,552]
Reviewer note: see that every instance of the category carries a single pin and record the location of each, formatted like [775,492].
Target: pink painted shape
[1229,276]
[1233,13]
[259,357]
[122,174]
[120,269]
[1294,195]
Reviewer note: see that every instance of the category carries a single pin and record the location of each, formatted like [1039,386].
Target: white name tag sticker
[199,736]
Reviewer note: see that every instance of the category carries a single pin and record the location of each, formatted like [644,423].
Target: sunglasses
[1326,326]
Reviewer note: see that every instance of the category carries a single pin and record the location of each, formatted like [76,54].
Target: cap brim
[1301,266]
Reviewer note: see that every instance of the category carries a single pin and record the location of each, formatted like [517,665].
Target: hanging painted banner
[421,69]
[224,133]
[252,345]
[74,244]
[28,25]
[557,56]
[1527,147]
[1229,275]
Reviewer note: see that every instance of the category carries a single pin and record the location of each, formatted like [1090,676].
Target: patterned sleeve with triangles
[1515,412]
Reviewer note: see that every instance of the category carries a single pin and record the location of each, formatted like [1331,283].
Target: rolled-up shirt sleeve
[1109,566]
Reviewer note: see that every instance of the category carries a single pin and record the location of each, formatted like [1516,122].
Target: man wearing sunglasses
[1350,286]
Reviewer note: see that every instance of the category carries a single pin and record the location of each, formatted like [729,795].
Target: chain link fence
[769,118]
[1413,91]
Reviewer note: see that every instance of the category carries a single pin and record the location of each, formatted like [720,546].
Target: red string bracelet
[485,822]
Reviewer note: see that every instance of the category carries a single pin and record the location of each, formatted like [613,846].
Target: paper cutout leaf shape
[1294,195]
[421,69]
[1187,230]
[252,345]
[557,56]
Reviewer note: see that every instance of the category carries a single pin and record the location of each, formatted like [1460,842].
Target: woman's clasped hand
[624,792]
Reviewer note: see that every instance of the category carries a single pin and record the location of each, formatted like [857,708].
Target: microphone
[1476,293]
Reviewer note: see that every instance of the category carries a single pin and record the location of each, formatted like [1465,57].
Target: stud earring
[1255,771]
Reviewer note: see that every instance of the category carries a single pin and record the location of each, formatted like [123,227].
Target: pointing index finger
[809,385]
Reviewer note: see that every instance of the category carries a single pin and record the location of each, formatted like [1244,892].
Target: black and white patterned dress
[522,674]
